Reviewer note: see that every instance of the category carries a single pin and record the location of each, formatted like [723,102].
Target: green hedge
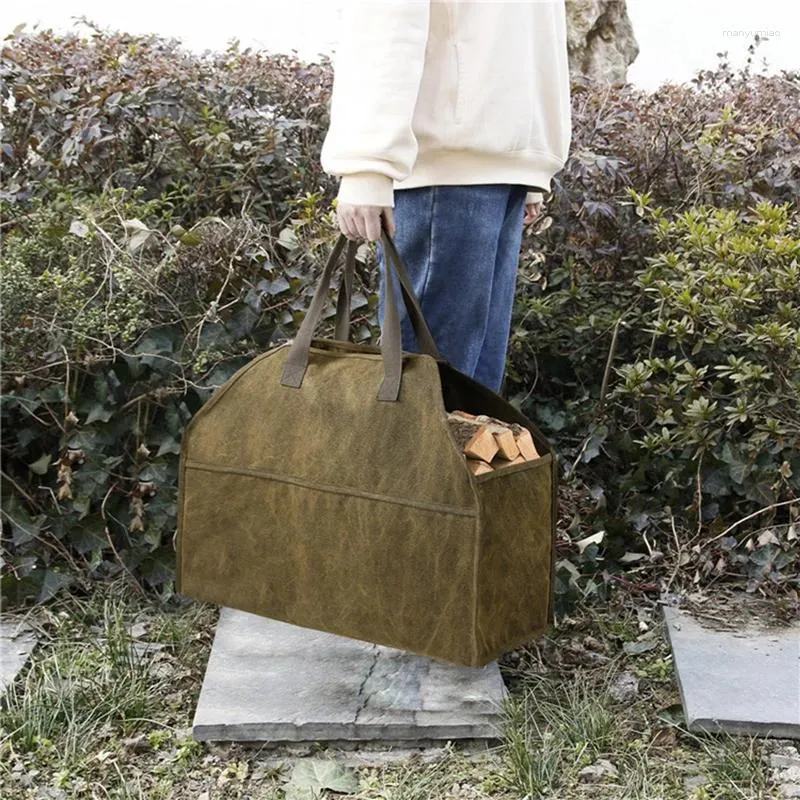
[165,216]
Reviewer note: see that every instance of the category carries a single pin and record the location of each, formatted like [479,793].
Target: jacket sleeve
[534,197]
[377,74]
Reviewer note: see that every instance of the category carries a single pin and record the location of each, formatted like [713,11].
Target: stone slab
[17,641]
[744,682]
[267,681]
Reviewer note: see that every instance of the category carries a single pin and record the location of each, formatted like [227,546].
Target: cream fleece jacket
[438,92]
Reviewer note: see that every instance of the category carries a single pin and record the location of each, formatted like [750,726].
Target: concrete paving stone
[273,682]
[744,682]
[17,641]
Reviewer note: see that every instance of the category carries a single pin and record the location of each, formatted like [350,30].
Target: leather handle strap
[391,340]
[425,339]
[344,299]
[413,309]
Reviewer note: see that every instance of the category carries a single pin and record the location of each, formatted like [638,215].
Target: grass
[104,709]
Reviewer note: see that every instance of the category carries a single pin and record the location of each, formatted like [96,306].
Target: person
[448,121]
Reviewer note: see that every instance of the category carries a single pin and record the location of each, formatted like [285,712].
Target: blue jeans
[461,246]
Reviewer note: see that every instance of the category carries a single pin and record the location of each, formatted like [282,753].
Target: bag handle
[413,309]
[391,346]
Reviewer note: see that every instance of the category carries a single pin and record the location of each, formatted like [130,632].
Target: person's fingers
[532,211]
[372,224]
[359,224]
[364,222]
[346,225]
[388,215]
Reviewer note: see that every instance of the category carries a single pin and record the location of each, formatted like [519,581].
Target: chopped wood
[462,429]
[506,443]
[525,443]
[490,441]
[501,464]
[477,467]
[482,445]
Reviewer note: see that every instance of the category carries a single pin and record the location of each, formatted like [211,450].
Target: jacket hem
[532,169]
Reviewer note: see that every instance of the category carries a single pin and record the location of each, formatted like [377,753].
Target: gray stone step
[745,681]
[268,681]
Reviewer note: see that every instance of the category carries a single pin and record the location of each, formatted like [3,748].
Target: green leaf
[637,648]
[279,285]
[191,239]
[288,238]
[739,471]
[78,228]
[81,504]
[98,412]
[134,225]
[310,777]
[138,239]
[40,465]
[242,321]
[52,583]
[592,449]
[159,340]
[632,558]
[168,444]
[23,527]
[89,535]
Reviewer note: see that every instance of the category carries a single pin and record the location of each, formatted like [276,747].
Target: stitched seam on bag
[438,508]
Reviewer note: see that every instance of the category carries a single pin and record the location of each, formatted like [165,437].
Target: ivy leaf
[89,535]
[739,471]
[631,558]
[40,465]
[53,581]
[637,648]
[310,777]
[592,449]
[168,444]
[279,285]
[138,239]
[288,238]
[98,412]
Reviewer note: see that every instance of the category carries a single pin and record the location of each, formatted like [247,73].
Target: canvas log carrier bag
[321,486]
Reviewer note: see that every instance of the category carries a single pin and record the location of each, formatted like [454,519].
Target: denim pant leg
[460,245]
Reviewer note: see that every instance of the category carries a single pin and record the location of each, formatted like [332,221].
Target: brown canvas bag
[321,486]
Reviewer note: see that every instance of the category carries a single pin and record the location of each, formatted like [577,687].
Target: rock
[625,688]
[593,774]
[790,790]
[139,743]
[600,41]
[591,643]
[610,769]
[597,771]
[695,782]
[789,775]
[780,761]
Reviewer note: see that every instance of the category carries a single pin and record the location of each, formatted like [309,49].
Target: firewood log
[477,467]
[525,443]
[506,443]
[482,445]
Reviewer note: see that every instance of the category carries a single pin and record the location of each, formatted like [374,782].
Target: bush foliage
[165,215]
